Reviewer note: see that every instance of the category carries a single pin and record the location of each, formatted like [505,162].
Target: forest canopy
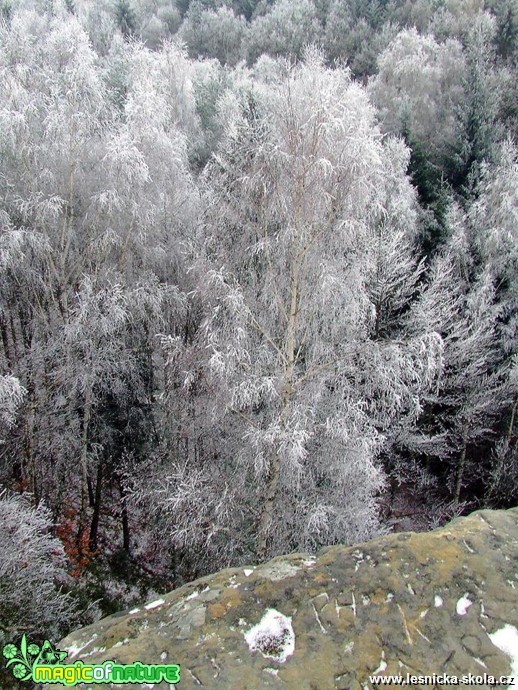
[258,284]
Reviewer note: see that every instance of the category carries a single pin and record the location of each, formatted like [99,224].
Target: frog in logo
[49,655]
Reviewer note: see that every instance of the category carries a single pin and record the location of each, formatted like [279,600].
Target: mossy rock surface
[404,603]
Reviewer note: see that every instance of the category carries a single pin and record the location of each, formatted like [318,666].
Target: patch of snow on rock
[506,639]
[94,651]
[383,664]
[154,604]
[273,636]
[463,605]
[74,651]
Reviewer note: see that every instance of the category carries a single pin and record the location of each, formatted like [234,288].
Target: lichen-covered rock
[443,602]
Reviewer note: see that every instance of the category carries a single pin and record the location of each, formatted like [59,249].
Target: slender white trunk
[272,481]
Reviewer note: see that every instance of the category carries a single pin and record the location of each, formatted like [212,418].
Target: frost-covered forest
[258,285]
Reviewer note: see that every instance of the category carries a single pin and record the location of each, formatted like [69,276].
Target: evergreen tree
[125,18]
[506,39]
[478,116]
[433,196]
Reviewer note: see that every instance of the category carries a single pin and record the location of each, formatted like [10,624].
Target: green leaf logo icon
[22,661]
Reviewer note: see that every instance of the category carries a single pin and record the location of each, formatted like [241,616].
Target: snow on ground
[273,636]
[463,605]
[94,651]
[154,604]
[382,665]
[74,651]
[506,639]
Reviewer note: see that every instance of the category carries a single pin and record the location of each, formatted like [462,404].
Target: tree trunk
[91,494]
[461,466]
[266,517]
[29,448]
[501,455]
[94,527]
[7,349]
[84,463]
[125,521]
[265,520]
[173,567]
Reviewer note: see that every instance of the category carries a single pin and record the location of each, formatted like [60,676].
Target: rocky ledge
[442,602]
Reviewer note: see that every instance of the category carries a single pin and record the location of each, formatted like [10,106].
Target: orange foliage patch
[76,544]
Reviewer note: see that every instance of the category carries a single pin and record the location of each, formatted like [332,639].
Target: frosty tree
[226,317]
[493,221]
[306,203]
[97,191]
[459,300]
[32,571]
[11,394]
[419,88]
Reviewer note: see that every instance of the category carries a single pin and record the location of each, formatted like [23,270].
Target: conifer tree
[125,18]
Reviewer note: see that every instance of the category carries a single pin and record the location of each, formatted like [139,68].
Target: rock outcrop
[442,602]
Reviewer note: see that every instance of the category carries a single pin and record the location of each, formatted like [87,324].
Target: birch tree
[91,213]
[297,196]
[214,33]
[419,88]
[285,29]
